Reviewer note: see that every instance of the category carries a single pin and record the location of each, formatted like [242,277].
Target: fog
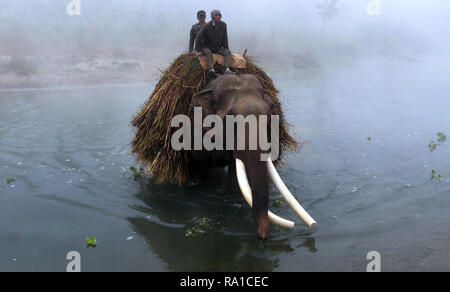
[126,41]
[365,95]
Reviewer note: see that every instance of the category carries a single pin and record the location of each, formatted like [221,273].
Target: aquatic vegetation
[135,173]
[205,222]
[278,203]
[200,226]
[432,146]
[91,242]
[435,175]
[10,180]
[442,137]
[369,139]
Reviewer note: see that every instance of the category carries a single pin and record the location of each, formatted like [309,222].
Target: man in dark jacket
[213,38]
[201,16]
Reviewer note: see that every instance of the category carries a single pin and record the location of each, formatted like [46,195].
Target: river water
[364,174]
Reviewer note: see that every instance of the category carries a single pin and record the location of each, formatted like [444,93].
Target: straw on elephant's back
[171,97]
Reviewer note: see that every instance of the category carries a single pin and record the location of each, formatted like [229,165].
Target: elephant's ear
[203,99]
[269,101]
[202,92]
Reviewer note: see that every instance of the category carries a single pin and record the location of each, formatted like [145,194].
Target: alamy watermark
[374,8]
[208,133]
[373,257]
[74,8]
[375,262]
[74,265]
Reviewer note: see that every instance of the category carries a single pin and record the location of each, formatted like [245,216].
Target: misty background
[116,41]
[368,96]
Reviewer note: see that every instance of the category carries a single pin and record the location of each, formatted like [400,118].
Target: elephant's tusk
[288,196]
[247,193]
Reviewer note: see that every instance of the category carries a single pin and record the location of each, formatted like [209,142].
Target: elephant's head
[232,95]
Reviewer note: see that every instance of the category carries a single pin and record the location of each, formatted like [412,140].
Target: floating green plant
[278,203]
[369,139]
[10,180]
[91,242]
[442,137]
[135,173]
[190,233]
[435,175]
[432,146]
[205,222]
[200,226]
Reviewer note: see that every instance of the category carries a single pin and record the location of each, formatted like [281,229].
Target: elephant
[241,95]
[237,95]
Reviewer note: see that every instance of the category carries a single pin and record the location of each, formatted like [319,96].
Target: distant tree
[327,10]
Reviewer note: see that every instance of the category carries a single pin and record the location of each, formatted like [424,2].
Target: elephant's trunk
[261,218]
[258,209]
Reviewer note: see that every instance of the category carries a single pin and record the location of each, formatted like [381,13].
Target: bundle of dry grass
[171,97]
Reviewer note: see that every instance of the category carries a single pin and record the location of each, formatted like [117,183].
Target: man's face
[217,18]
[201,18]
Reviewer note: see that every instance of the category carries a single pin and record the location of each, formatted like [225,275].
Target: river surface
[364,174]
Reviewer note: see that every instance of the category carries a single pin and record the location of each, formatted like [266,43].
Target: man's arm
[191,40]
[225,39]
[199,39]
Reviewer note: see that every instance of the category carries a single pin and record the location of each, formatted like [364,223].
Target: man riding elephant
[213,38]
[201,16]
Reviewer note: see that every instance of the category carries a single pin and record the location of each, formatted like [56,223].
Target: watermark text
[74,8]
[239,133]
